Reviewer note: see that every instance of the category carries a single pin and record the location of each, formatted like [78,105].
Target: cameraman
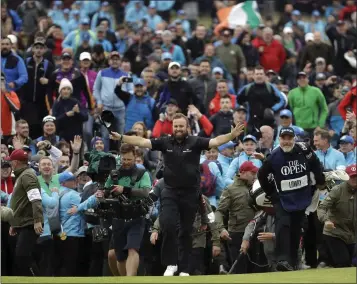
[128,230]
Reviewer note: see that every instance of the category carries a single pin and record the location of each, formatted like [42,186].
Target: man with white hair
[285,178]
[272,52]
[175,50]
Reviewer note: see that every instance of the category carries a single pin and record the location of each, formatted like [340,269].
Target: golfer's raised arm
[132,140]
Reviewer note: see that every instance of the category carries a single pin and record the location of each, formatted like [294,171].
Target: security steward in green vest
[28,214]
[235,201]
[128,231]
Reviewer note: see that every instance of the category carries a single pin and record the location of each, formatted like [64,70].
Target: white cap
[287,30]
[309,36]
[65,83]
[174,64]
[12,38]
[85,55]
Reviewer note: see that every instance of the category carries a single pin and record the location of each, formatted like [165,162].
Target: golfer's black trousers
[178,206]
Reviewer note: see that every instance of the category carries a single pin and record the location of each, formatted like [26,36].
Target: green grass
[343,275]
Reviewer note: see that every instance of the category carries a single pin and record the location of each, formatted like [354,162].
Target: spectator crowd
[64,63]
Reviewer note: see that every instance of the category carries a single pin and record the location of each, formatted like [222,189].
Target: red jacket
[349,100]
[165,127]
[272,56]
[9,103]
[215,107]
[7,185]
[346,12]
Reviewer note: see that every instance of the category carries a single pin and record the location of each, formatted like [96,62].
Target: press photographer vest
[292,178]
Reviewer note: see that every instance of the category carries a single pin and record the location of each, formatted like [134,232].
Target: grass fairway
[344,275]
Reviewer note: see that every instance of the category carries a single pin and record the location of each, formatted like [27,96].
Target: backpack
[208,180]
[246,90]
[54,221]
[45,64]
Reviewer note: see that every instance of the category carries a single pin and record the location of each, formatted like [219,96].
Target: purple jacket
[90,78]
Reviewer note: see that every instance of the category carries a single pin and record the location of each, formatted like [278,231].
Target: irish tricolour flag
[241,14]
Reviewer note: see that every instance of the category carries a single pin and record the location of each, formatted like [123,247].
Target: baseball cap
[287,131]
[154,58]
[166,55]
[172,64]
[85,21]
[346,139]
[226,32]
[26,148]
[296,13]
[85,36]
[286,112]
[66,11]
[241,108]
[287,30]
[300,132]
[39,41]
[300,74]
[248,166]
[217,70]
[75,12]
[351,170]
[320,76]
[85,55]
[82,169]
[48,118]
[315,13]
[114,53]
[250,137]
[66,55]
[139,82]
[172,102]
[227,145]
[320,60]
[309,37]
[271,71]
[19,155]
[105,3]
[152,6]
[66,176]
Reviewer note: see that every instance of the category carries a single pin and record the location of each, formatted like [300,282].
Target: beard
[5,52]
[287,149]
[180,135]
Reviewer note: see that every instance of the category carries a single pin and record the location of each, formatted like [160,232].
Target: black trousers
[313,242]
[340,253]
[288,227]
[196,261]
[66,254]
[182,205]
[8,246]
[44,255]
[26,242]
[234,247]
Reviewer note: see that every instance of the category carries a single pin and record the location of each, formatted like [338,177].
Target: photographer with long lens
[181,195]
[129,226]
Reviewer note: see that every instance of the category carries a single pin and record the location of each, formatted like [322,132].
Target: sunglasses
[284,117]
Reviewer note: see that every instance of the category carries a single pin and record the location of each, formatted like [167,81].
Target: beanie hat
[65,83]
[94,140]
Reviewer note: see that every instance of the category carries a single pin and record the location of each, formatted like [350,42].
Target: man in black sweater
[178,89]
[263,100]
[222,121]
